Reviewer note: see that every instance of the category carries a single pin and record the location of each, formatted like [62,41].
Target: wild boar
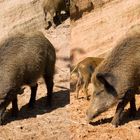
[117,79]
[85,68]
[53,8]
[24,58]
[79,7]
[74,10]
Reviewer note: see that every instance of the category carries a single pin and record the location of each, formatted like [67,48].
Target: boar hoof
[115,122]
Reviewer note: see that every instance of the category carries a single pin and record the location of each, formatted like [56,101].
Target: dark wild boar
[53,8]
[85,68]
[117,79]
[24,58]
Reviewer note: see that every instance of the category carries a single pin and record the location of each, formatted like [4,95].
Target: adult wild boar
[85,68]
[117,79]
[53,8]
[23,59]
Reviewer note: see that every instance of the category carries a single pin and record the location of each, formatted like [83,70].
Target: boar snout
[89,116]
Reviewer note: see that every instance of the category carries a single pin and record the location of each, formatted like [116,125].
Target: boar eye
[98,93]
[109,88]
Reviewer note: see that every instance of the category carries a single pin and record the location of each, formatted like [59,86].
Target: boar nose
[89,116]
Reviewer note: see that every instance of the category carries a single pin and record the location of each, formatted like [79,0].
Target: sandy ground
[43,123]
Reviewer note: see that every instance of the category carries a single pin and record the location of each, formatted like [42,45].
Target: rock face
[79,7]
[25,15]
[96,33]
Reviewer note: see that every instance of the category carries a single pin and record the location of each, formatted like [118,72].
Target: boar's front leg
[14,107]
[132,112]
[120,107]
[129,96]
[78,84]
[14,102]
[33,95]
[49,84]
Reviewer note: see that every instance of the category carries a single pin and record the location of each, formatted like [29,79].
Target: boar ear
[106,79]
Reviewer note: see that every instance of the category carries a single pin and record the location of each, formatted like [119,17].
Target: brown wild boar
[53,8]
[77,10]
[74,10]
[24,58]
[117,79]
[85,68]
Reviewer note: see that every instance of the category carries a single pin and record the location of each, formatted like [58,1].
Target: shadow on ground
[60,99]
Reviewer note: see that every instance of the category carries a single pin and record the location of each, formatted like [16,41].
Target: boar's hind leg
[49,84]
[85,89]
[78,84]
[85,86]
[14,107]
[33,95]
[132,108]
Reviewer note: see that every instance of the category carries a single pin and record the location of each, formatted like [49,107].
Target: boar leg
[85,85]
[52,18]
[46,20]
[58,15]
[49,84]
[129,96]
[14,107]
[132,108]
[78,84]
[117,118]
[33,95]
